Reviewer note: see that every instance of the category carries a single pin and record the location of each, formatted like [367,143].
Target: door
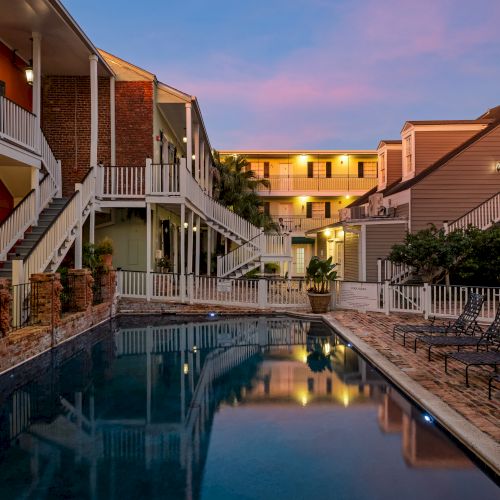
[284,179]
[284,221]
[338,257]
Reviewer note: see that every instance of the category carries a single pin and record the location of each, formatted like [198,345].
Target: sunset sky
[310,73]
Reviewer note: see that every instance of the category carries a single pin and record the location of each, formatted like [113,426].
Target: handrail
[18,105]
[14,211]
[456,223]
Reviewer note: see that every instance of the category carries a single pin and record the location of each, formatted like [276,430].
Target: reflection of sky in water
[241,408]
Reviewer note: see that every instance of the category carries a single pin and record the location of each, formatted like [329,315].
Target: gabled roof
[493,113]
[401,186]
[416,123]
[388,142]
[364,199]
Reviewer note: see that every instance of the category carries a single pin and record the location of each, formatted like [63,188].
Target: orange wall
[16,88]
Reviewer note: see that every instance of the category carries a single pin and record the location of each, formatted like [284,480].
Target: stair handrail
[485,213]
[52,165]
[240,256]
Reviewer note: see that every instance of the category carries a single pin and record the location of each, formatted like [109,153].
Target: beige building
[307,189]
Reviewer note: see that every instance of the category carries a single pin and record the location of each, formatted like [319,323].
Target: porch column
[196,136]
[94,123]
[175,250]
[148,250]
[189,136]
[190,242]
[209,250]
[207,170]
[35,184]
[37,79]
[202,164]
[92,225]
[112,124]
[183,240]
[197,246]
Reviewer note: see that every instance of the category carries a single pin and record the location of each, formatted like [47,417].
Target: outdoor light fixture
[195,349]
[349,345]
[186,225]
[347,196]
[327,349]
[428,418]
[212,314]
[327,233]
[498,167]
[184,139]
[185,368]
[343,158]
[193,157]
[194,229]
[28,71]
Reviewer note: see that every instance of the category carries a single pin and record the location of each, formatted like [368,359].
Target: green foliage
[469,254]
[236,188]
[90,257]
[104,247]
[271,268]
[319,274]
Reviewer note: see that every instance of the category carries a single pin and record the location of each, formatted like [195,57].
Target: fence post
[445,227]
[182,287]
[149,283]
[262,294]
[147,180]
[387,297]
[379,270]
[190,288]
[427,299]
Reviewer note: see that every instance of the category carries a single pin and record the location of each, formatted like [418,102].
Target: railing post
[182,287]
[427,300]
[149,284]
[18,295]
[445,227]
[59,178]
[190,288]
[147,180]
[78,239]
[387,297]
[119,282]
[379,270]
[182,177]
[262,294]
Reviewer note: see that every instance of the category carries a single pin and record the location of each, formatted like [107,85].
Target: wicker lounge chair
[465,323]
[480,358]
[489,337]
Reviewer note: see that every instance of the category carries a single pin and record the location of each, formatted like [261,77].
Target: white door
[284,180]
[338,257]
[284,221]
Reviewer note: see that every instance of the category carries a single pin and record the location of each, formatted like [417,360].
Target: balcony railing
[18,125]
[306,184]
[301,223]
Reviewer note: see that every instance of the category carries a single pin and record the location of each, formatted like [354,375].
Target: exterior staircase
[32,236]
[483,216]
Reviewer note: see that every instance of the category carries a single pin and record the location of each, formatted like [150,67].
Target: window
[310,169]
[300,260]
[361,169]
[328,209]
[408,154]
[328,169]
[266,170]
[382,173]
[318,209]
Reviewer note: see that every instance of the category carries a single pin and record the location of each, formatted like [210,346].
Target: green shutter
[328,209]
[361,169]
[309,210]
[267,208]
[310,169]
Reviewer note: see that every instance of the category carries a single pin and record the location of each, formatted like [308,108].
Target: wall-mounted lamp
[28,71]
[327,233]
[193,157]
[347,197]
[184,139]
[186,225]
[498,167]
[194,229]
[343,159]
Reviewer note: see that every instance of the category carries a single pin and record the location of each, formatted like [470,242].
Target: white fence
[280,293]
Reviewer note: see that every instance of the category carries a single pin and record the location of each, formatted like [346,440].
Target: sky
[310,74]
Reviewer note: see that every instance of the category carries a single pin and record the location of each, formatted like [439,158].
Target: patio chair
[480,358]
[493,378]
[465,323]
[463,339]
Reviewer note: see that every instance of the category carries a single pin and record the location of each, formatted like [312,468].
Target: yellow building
[306,191]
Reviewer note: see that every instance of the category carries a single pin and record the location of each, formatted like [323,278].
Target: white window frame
[408,170]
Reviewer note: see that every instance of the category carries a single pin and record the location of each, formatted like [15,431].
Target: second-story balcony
[322,186]
[300,223]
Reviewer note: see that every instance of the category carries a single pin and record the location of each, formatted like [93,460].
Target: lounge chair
[465,323]
[493,378]
[464,340]
[480,358]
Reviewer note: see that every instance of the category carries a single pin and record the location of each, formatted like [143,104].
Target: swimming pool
[256,407]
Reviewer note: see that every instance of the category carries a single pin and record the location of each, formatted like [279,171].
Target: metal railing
[25,304]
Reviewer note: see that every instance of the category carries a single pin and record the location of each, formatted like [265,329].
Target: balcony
[301,223]
[328,186]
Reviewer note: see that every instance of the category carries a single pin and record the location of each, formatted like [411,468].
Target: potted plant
[164,264]
[105,251]
[319,275]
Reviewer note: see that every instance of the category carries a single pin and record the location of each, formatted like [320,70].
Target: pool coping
[478,442]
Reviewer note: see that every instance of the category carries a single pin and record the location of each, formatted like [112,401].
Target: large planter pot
[107,260]
[320,302]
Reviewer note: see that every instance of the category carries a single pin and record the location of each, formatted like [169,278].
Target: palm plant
[319,274]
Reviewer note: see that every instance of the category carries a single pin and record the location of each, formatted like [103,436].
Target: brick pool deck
[471,403]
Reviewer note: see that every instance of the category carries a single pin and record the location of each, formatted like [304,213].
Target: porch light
[343,158]
[193,157]
[498,167]
[184,139]
[186,224]
[303,199]
[340,234]
[28,71]
[194,229]
[185,368]
[327,233]
[303,157]
[347,196]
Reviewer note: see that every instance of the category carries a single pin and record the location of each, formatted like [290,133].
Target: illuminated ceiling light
[327,349]
[303,199]
[186,225]
[347,196]
[184,139]
[343,159]
[185,368]
[28,71]
[303,157]
[327,233]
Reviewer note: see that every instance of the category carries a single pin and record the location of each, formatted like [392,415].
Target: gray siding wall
[403,210]
[379,240]
[458,186]
[351,257]
[394,165]
[431,146]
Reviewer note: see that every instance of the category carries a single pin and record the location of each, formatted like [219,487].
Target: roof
[449,122]
[493,113]
[401,186]
[364,199]
[278,152]
[388,142]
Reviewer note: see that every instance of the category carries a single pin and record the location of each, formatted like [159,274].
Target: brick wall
[66,124]
[134,122]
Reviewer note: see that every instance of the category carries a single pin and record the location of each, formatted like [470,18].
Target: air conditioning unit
[357,212]
[375,205]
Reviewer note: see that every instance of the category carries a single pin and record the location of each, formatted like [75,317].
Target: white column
[175,249]
[207,170]
[92,226]
[112,124]
[79,232]
[37,78]
[202,164]
[189,136]
[94,117]
[209,250]
[197,151]
[35,184]
[148,250]
[183,240]
[190,243]
[197,247]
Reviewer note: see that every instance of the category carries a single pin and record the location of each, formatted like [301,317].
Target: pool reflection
[131,415]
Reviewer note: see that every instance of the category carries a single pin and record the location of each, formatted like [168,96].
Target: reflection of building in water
[423,444]
[142,403]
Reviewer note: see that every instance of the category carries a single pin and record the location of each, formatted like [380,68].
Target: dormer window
[382,173]
[408,166]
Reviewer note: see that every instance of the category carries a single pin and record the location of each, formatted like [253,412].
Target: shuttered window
[309,210]
[361,169]
[266,170]
[328,169]
[310,169]
[328,209]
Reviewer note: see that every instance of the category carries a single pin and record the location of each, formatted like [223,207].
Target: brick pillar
[109,285]
[5,311]
[82,281]
[46,299]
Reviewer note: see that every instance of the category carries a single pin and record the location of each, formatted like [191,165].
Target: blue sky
[308,74]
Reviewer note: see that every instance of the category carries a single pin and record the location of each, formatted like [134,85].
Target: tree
[236,187]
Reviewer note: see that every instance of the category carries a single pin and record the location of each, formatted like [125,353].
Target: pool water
[243,408]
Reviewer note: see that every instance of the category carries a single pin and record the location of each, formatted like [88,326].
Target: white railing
[301,223]
[482,217]
[450,301]
[310,184]
[166,286]
[406,298]
[48,189]
[18,125]
[277,245]
[122,182]
[164,179]
[287,292]
[53,239]
[212,290]
[234,260]
[395,273]
[52,166]
[132,284]
[13,228]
